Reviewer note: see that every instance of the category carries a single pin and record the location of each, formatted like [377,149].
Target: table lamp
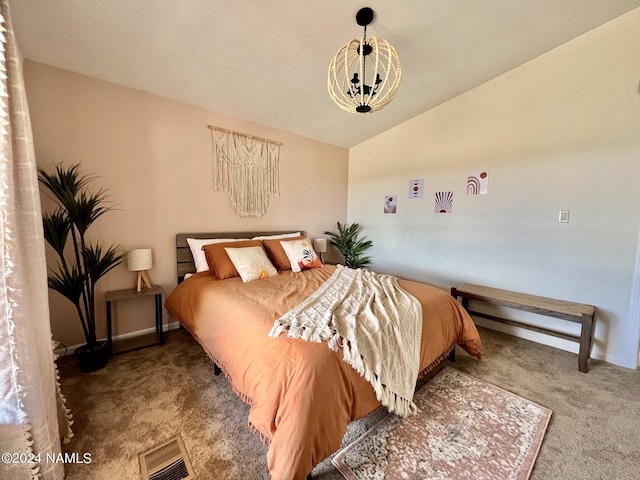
[140,261]
[320,246]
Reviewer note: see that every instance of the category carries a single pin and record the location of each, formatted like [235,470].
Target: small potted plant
[81,263]
[350,246]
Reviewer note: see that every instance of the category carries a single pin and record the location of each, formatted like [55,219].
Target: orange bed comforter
[302,394]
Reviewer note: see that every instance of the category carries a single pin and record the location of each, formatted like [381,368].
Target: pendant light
[364,74]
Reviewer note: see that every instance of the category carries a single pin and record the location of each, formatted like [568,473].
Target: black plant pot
[93,357]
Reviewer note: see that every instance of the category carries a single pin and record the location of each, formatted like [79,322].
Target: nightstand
[142,340]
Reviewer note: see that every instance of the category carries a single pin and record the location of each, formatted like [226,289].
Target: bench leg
[586,336]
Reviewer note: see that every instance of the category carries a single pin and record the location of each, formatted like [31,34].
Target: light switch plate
[563,216]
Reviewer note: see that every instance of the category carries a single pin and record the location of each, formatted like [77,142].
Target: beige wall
[154,156]
[559,132]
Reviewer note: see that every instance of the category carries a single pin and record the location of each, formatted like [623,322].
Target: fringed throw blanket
[375,323]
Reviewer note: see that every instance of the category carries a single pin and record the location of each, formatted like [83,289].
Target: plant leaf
[99,262]
[65,183]
[85,209]
[348,244]
[77,210]
[68,282]
[56,227]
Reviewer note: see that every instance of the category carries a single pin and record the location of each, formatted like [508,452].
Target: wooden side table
[141,341]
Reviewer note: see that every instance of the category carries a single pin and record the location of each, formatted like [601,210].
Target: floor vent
[168,461]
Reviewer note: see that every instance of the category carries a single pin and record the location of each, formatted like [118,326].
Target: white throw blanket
[376,323]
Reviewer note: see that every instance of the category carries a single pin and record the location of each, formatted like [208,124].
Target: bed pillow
[251,263]
[219,262]
[276,252]
[199,258]
[301,254]
[277,236]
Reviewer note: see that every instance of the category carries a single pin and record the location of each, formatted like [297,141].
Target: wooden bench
[574,312]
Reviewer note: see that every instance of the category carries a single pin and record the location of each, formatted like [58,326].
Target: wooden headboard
[183,253]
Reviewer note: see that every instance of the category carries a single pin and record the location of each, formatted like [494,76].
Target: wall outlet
[563,216]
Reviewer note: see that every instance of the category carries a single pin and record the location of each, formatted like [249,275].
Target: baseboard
[61,351]
[543,339]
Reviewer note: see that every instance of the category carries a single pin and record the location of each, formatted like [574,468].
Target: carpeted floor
[143,398]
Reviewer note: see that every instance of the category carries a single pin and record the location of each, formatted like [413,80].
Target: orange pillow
[276,252]
[218,260]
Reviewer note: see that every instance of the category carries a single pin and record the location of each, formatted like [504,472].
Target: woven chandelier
[365,74]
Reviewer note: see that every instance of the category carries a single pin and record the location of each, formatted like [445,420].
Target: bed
[302,394]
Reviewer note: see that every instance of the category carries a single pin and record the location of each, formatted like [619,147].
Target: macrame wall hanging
[246,167]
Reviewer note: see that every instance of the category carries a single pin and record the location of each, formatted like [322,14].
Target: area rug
[465,428]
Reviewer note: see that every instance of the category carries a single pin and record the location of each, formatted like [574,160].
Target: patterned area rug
[465,428]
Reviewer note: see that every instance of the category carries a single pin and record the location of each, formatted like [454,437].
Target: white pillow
[301,254]
[251,263]
[277,237]
[196,244]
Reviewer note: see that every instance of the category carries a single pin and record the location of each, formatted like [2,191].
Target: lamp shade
[139,259]
[320,245]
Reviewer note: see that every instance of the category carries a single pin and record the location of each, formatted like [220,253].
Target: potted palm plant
[81,263]
[350,246]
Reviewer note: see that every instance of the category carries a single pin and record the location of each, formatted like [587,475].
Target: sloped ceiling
[266,61]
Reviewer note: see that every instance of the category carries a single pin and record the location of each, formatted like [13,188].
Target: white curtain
[33,417]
